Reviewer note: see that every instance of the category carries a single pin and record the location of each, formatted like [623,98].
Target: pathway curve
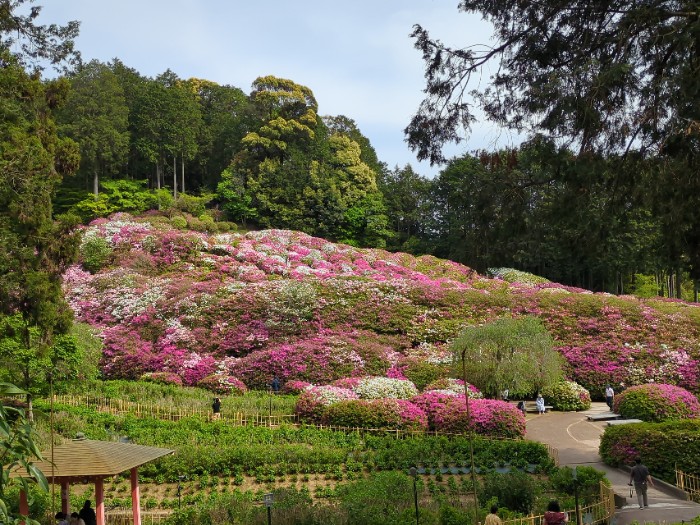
[577,439]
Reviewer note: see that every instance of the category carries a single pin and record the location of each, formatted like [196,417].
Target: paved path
[577,440]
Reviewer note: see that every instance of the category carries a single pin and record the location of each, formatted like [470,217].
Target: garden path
[577,441]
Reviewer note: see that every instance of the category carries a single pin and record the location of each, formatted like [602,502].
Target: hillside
[185,305]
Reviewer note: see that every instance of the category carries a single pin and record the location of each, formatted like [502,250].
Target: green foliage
[515,490]
[179,222]
[656,402]
[422,372]
[517,354]
[662,446]
[366,501]
[118,195]
[95,253]
[567,396]
[17,450]
[588,482]
[645,286]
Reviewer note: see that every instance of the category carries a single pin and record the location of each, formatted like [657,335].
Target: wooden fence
[126,517]
[600,512]
[689,483]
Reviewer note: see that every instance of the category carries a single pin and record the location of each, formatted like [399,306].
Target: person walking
[522,407]
[640,477]
[554,515]
[492,518]
[609,396]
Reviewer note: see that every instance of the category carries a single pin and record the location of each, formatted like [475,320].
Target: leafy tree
[603,77]
[17,451]
[516,353]
[96,116]
[35,249]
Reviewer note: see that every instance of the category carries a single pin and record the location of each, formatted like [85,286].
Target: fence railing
[600,512]
[689,483]
[125,517]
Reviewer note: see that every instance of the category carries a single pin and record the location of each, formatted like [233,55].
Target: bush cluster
[376,413]
[657,402]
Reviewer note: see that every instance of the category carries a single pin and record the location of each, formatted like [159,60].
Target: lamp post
[471,434]
[179,491]
[413,472]
[574,475]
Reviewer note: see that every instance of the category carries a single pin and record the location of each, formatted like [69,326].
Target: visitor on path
[75,519]
[640,477]
[216,408]
[554,515]
[521,407]
[87,513]
[492,518]
[505,394]
[539,403]
[275,385]
[609,396]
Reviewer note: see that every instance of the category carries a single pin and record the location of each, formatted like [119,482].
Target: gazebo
[84,460]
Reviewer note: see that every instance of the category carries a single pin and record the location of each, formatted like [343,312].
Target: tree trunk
[679,291]
[174,177]
[182,174]
[158,175]
[95,183]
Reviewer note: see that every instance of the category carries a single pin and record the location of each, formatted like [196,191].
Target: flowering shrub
[312,403]
[295,387]
[488,417]
[422,372]
[163,378]
[454,385]
[657,402]
[429,400]
[376,413]
[385,387]
[223,384]
[567,396]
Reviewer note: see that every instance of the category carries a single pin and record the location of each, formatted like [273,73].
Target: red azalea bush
[223,384]
[376,413]
[489,417]
[655,403]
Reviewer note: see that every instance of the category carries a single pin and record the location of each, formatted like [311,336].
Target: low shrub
[422,372]
[567,396]
[657,402]
[95,253]
[376,413]
[455,385]
[162,378]
[385,387]
[295,387]
[662,446]
[312,403]
[223,384]
[430,400]
[515,490]
[488,417]
[587,481]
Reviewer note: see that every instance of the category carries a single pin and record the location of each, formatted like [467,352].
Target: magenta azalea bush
[283,303]
[395,414]
[657,402]
[488,417]
[295,387]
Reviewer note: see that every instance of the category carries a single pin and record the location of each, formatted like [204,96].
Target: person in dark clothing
[216,408]
[640,477]
[87,514]
[275,385]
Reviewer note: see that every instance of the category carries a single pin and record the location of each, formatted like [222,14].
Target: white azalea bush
[385,387]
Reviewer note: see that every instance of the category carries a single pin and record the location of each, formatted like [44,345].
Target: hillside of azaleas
[188,306]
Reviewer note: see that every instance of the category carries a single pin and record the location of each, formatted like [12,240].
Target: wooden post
[23,505]
[135,499]
[65,497]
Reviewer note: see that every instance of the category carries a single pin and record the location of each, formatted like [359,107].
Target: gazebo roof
[86,458]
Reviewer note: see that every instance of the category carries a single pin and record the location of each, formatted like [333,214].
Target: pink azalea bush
[386,413]
[295,387]
[657,402]
[488,417]
[223,384]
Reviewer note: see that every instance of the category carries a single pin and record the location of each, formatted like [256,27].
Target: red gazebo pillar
[65,496]
[23,504]
[135,498]
[100,501]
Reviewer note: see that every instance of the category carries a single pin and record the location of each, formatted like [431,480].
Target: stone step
[623,421]
[604,416]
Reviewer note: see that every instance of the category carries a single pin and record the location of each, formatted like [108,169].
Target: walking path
[577,440]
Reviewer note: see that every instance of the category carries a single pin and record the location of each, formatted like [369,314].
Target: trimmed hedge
[567,396]
[662,446]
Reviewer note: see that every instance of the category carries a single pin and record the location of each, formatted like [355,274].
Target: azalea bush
[488,417]
[453,385]
[223,384]
[385,387]
[567,396]
[312,403]
[387,413]
[654,402]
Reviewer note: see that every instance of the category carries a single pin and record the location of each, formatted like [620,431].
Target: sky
[356,56]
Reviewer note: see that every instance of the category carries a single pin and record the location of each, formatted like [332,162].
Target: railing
[689,483]
[600,512]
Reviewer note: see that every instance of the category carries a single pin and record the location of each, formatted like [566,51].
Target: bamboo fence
[126,517]
[689,483]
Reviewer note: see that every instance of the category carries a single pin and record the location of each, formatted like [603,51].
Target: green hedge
[662,446]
